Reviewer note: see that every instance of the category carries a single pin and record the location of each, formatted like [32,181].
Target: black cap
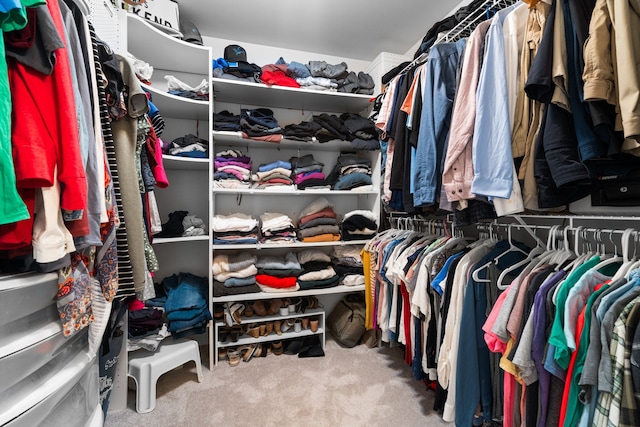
[235,53]
[190,33]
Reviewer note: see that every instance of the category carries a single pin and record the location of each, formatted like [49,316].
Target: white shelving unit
[290,105]
[189,178]
[273,336]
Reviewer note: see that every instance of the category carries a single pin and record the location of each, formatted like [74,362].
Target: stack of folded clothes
[279,75]
[275,175]
[232,170]
[187,146]
[260,124]
[303,131]
[348,264]
[277,228]
[317,222]
[351,172]
[236,269]
[278,273]
[235,228]
[332,128]
[318,270]
[363,133]
[187,307]
[359,225]
[181,224]
[226,121]
[308,172]
[361,83]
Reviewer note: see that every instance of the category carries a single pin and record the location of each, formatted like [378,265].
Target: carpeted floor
[347,387]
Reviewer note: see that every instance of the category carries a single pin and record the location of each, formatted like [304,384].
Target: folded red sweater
[276,282]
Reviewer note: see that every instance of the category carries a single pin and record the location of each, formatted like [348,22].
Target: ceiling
[358,29]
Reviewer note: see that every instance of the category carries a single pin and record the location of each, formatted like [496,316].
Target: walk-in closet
[332,214]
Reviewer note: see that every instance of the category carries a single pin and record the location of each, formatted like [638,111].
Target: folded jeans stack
[318,270]
[351,172]
[236,269]
[278,273]
[308,172]
[359,225]
[348,264]
[318,222]
[276,228]
[235,228]
[275,175]
[232,169]
[186,308]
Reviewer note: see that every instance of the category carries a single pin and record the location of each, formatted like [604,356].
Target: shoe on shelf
[276,327]
[277,347]
[234,332]
[253,330]
[233,313]
[234,356]
[260,308]
[274,306]
[223,334]
[305,323]
[313,323]
[268,328]
[222,354]
[287,324]
[248,309]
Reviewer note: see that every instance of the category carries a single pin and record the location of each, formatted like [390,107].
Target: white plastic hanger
[538,250]
[608,259]
[512,248]
[627,261]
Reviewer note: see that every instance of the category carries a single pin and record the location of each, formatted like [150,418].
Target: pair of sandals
[233,313]
[231,333]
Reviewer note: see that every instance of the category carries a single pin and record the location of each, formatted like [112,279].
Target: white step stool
[146,367]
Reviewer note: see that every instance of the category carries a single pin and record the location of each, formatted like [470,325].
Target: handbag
[346,321]
[109,352]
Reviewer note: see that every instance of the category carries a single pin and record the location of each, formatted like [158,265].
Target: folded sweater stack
[232,170]
[308,172]
[351,172]
[236,228]
[318,271]
[317,222]
[359,225]
[278,273]
[277,228]
[348,264]
[276,175]
[236,269]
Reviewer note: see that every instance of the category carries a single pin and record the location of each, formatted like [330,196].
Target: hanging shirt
[12,208]
[492,160]
[439,91]
[457,173]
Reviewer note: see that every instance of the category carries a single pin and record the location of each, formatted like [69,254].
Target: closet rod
[468,23]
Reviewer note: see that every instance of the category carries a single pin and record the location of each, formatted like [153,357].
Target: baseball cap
[190,33]
[235,53]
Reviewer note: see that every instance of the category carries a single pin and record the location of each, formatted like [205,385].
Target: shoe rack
[284,318]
